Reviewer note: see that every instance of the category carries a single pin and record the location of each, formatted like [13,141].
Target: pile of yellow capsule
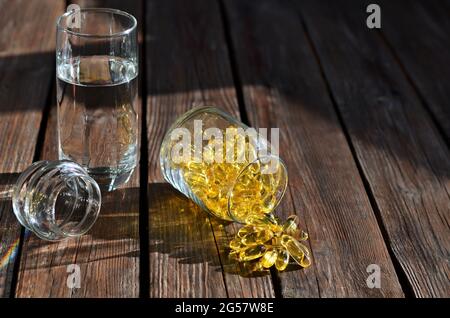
[240,191]
[263,242]
[251,191]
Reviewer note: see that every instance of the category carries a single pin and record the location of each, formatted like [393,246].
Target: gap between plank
[37,156]
[144,261]
[241,104]
[234,72]
[401,275]
[415,88]
[219,257]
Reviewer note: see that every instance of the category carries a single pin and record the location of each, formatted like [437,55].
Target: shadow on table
[115,235]
[25,70]
[182,230]
[179,228]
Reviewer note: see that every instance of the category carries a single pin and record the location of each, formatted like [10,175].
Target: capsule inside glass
[224,166]
[56,200]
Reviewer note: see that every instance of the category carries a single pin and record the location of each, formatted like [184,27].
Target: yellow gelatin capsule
[306,261]
[195,178]
[212,193]
[258,266]
[276,229]
[236,244]
[289,242]
[282,260]
[269,258]
[252,252]
[296,249]
[252,266]
[234,254]
[245,230]
[193,166]
[261,219]
[303,236]
[257,237]
[290,226]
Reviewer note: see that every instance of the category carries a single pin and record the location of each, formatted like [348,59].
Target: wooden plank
[108,255]
[418,32]
[9,235]
[26,57]
[183,253]
[187,65]
[401,154]
[283,87]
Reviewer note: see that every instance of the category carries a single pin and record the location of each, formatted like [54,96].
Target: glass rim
[101,10]
[283,190]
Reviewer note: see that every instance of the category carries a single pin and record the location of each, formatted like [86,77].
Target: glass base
[110,179]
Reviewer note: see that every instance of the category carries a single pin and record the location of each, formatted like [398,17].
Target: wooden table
[364,118]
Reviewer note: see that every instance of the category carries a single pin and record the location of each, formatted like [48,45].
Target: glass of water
[97,88]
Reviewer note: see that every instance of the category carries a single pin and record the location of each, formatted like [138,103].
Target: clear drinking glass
[235,177]
[55,199]
[97,88]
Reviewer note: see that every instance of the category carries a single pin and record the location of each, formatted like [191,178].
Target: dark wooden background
[364,118]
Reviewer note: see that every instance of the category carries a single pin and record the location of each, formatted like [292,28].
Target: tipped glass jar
[222,165]
[56,200]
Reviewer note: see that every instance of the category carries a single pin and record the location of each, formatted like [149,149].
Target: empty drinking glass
[54,199]
[97,87]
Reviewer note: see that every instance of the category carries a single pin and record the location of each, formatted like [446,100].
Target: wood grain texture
[279,50]
[187,65]
[27,36]
[402,155]
[183,253]
[420,39]
[108,255]
[283,87]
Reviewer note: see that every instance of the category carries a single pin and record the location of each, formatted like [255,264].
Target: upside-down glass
[56,199]
[97,87]
[230,188]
